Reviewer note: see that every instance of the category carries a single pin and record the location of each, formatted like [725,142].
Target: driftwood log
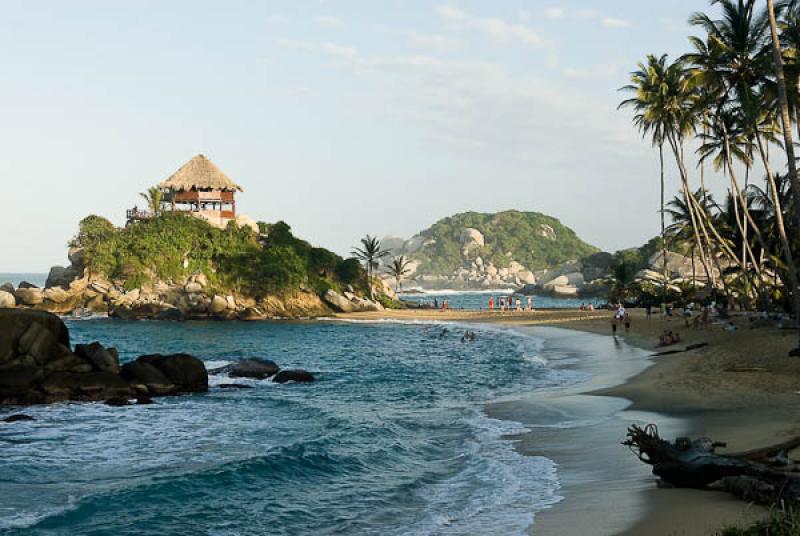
[765,476]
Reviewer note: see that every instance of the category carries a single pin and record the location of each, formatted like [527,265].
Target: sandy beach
[741,388]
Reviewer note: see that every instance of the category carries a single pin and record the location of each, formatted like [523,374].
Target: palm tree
[370,253]
[398,269]
[789,147]
[647,85]
[154,197]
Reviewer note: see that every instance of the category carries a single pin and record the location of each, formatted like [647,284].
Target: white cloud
[330,49]
[328,21]
[497,29]
[554,13]
[433,42]
[613,22]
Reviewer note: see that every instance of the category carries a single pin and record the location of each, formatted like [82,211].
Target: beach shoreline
[740,388]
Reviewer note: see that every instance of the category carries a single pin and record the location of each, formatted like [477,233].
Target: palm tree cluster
[735,96]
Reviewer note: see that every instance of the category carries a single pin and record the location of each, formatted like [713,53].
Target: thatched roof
[199,173]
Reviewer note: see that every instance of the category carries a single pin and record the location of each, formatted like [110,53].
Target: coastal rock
[7,300]
[101,358]
[471,240]
[299,376]
[255,367]
[55,294]
[60,276]
[218,305]
[7,287]
[547,231]
[25,284]
[147,374]
[193,287]
[18,417]
[337,301]
[186,372]
[29,295]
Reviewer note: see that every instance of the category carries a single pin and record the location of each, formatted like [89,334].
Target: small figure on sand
[668,338]
[530,303]
[491,303]
[614,326]
[627,319]
[519,305]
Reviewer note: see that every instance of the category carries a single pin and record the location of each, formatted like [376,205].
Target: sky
[341,118]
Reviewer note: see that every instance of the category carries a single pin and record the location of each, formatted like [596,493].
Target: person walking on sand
[491,303]
[627,319]
[530,304]
[614,326]
[519,305]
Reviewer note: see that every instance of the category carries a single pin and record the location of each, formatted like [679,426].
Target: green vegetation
[519,233]
[779,523]
[174,245]
[735,94]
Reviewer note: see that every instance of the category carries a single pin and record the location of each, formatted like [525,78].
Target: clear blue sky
[340,117]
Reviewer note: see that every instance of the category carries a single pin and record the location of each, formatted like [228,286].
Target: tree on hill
[370,253]
[154,198]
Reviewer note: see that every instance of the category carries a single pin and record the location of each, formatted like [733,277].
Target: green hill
[173,246]
[533,239]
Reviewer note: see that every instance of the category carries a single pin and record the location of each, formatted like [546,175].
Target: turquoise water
[477,300]
[15,278]
[391,440]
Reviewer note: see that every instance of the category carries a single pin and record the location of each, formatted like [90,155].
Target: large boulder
[186,372]
[142,373]
[255,367]
[30,295]
[337,301]
[18,323]
[61,276]
[55,294]
[7,300]
[101,358]
[299,376]
[218,305]
[472,241]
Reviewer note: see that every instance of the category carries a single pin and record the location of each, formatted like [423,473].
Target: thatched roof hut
[199,174]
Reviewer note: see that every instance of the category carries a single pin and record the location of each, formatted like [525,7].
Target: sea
[393,438]
[479,300]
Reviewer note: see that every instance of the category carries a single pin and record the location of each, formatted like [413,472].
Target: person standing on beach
[627,319]
[530,303]
[614,326]
[436,303]
[519,305]
[491,303]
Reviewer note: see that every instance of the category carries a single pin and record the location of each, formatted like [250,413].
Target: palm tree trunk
[789,147]
[663,225]
[689,197]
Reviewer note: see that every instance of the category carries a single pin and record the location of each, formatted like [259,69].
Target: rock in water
[18,417]
[300,376]
[255,367]
[99,357]
[186,372]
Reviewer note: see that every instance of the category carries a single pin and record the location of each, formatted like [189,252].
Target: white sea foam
[498,491]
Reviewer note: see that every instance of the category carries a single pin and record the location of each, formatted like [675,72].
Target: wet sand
[741,388]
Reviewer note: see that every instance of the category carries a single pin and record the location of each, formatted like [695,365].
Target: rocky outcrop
[37,365]
[255,367]
[349,302]
[7,300]
[299,376]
